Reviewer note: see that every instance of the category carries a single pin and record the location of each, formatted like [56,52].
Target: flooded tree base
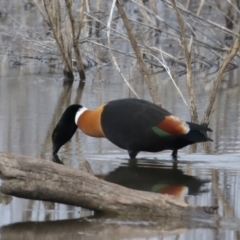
[38,179]
[68,77]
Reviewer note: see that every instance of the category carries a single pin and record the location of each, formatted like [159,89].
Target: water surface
[32,98]
[31,105]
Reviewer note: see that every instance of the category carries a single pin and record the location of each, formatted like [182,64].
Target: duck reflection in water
[158,179]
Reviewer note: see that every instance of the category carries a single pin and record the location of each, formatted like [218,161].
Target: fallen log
[39,179]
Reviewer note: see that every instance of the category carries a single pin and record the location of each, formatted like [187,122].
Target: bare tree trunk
[187,51]
[65,42]
[53,12]
[75,37]
[138,54]
[44,180]
[217,81]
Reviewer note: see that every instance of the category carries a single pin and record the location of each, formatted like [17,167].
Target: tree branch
[187,52]
[217,81]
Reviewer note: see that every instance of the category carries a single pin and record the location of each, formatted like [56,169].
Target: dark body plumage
[128,124]
[132,124]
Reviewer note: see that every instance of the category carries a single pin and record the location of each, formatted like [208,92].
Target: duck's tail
[198,133]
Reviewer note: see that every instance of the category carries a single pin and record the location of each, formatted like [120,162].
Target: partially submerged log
[38,179]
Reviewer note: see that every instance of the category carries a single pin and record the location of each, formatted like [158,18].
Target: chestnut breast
[90,122]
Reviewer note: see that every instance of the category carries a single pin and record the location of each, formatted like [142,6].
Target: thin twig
[224,29]
[142,46]
[200,7]
[163,63]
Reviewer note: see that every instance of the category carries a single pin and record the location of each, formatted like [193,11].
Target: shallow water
[32,99]
[31,105]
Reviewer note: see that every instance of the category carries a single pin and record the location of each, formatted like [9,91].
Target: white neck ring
[79,113]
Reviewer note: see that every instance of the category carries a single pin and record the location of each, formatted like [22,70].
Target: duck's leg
[174,155]
[132,154]
[132,161]
[56,159]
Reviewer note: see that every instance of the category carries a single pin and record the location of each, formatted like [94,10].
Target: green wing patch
[160,132]
[158,187]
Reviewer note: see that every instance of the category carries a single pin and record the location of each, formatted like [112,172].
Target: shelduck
[132,124]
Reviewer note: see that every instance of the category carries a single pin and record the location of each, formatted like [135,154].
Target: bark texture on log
[44,180]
